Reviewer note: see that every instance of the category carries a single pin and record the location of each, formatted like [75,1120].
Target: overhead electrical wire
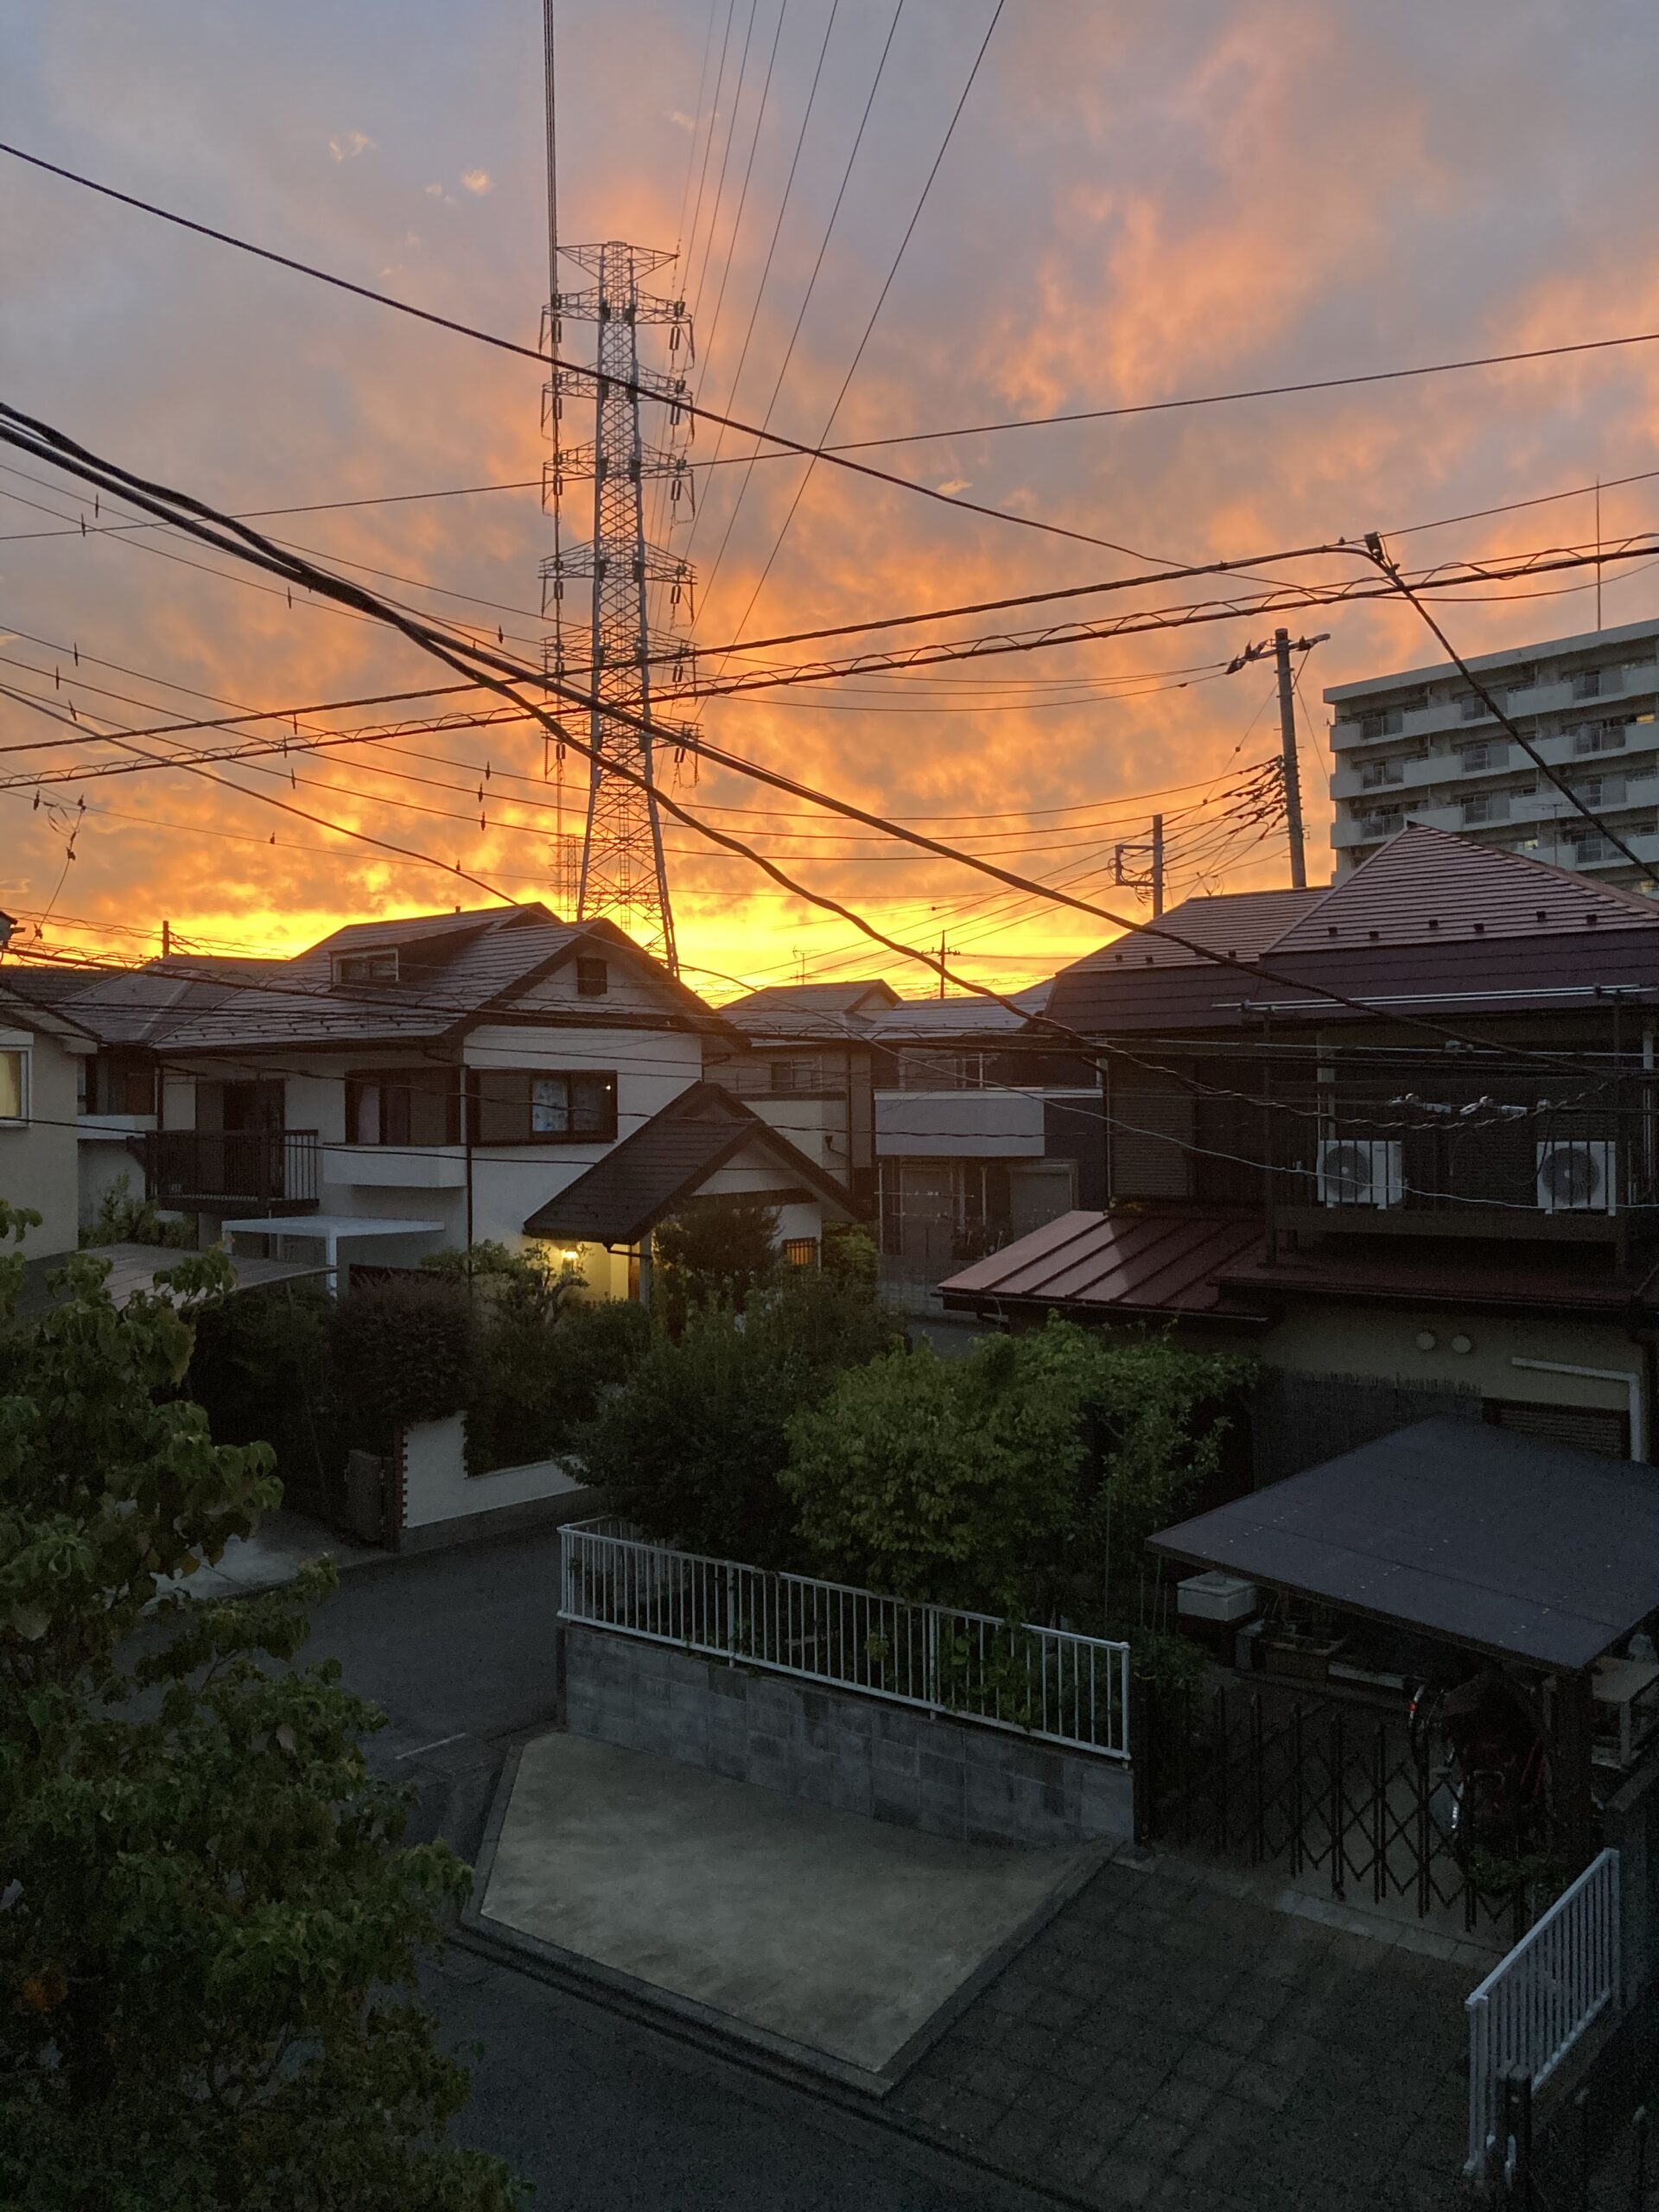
[200,519]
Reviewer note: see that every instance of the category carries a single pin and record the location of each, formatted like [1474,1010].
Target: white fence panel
[1046,1682]
[1537,2002]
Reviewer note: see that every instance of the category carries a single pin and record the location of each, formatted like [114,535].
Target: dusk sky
[1137,203]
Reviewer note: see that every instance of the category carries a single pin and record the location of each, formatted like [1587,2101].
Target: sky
[1136,204]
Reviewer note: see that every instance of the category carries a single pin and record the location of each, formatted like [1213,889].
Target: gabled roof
[19,1012]
[141,1005]
[44,986]
[1140,980]
[803,1010]
[1241,923]
[455,969]
[1426,885]
[644,1179]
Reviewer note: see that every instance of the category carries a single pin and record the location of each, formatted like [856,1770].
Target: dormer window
[366,967]
[593,978]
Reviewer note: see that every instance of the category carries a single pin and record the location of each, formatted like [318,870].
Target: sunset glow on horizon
[1137,205]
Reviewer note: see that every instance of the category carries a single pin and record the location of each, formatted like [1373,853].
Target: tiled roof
[44,986]
[641,1180]
[807,1010]
[1425,886]
[141,1005]
[465,965]
[1123,1263]
[1241,923]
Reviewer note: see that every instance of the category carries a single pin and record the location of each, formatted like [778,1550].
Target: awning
[1504,1544]
[1124,1263]
[331,1231]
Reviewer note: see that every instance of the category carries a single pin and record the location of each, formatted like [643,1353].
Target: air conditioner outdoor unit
[1361,1172]
[1577,1176]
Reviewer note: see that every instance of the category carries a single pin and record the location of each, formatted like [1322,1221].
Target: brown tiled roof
[1425,886]
[803,1010]
[641,1180]
[1122,1263]
[44,986]
[1472,1275]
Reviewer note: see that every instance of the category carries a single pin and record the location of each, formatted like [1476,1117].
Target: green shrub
[539,1375]
[123,1219]
[401,1351]
[716,1254]
[259,1368]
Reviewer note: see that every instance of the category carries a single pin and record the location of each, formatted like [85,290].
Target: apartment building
[1421,745]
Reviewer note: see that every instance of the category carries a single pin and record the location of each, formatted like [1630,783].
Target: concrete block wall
[829,1747]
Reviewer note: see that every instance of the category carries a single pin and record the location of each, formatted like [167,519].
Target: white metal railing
[1536,2004]
[1046,1682]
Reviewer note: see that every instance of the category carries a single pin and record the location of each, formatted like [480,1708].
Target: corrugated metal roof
[1166,1263]
[641,1180]
[1469,1276]
[1499,1542]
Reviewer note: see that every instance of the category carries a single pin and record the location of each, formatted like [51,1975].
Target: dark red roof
[1122,1262]
[1508,1276]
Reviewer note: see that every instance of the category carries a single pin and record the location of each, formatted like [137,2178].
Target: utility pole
[1153,880]
[1282,646]
[1293,770]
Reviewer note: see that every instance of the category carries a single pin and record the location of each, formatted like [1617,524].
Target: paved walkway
[840,1935]
[280,1546]
[1170,2038]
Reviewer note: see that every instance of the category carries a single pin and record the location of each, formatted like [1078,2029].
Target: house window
[794,1075]
[408,1106]
[593,978]
[117,1083]
[366,967]
[543,1106]
[14,1086]
[801,1251]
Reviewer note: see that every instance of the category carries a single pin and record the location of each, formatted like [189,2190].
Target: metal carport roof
[1509,1546]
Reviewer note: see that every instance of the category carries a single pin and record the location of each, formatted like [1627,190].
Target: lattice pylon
[623,872]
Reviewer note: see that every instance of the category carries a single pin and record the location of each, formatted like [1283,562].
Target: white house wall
[38,1156]
[958,1125]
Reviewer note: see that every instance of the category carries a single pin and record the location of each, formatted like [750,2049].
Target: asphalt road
[604,2113]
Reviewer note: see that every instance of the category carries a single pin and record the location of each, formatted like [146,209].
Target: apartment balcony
[216,1171]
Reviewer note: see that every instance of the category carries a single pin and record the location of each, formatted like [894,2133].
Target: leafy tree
[716,1254]
[692,1445]
[1014,1480]
[207,1930]
[401,1350]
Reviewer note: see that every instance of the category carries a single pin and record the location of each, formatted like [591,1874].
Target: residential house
[1405,1147]
[42,1051]
[438,1080]
[956,1120]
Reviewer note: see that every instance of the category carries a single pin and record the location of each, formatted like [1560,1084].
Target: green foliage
[716,1254]
[850,1251]
[692,1446]
[123,1219]
[401,1351]
[1000,1481]
[259,1368]
[210,1929]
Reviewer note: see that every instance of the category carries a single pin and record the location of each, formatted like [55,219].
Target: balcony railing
[273,1168]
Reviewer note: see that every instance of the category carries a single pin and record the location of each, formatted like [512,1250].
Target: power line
[197,518]
[695,409]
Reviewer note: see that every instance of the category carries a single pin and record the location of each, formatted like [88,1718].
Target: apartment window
[1524,676]
[118,1082]
[1380,825]
[1589,846]
[407,1106]
[366,967]
[593,978]
[1601,790]
[1475,757]
[544,1106]
[1471,707]
[1388,722]
[1595,682]
[1486,806]
[14,1086]
[1598,737]
[1382,772]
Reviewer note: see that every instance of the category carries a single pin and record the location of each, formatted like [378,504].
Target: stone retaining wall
[833,1747]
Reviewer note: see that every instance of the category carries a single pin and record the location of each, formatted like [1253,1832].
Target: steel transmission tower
[636,589]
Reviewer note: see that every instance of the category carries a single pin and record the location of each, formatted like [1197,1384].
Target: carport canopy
[1501,1543]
